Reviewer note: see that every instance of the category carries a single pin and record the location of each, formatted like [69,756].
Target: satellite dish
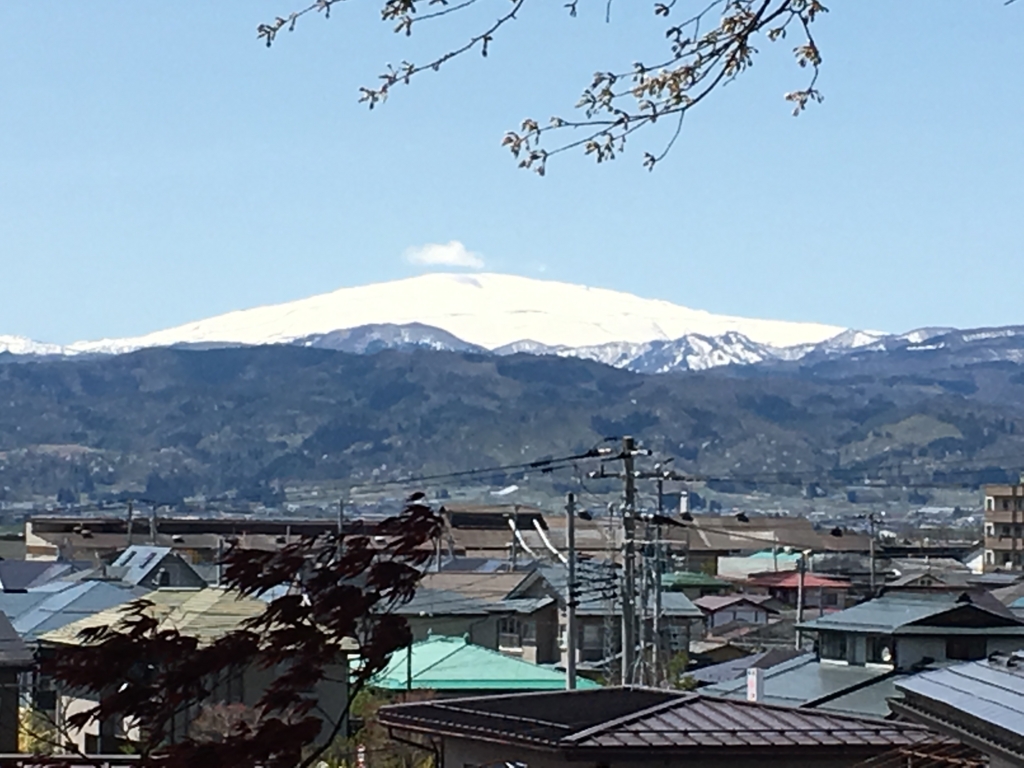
[886,655]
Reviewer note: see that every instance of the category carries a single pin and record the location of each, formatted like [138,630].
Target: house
[15,658]
[695,585]
[980,703]
[628,727]
[865,651]
[449,665]
[154,567]
[599,610]
[723,609]
[905,629]
[485,608]
[206,615]
[53,605]
[819,593]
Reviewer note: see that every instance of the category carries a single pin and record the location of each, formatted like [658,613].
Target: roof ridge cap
[677,697]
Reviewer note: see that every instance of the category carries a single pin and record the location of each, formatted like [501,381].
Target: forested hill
[251,418]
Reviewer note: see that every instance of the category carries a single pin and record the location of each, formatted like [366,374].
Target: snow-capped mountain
[19,345]
[692,352]
[488,310]
[367,339]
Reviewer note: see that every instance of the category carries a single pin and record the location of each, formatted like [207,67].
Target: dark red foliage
[341,592]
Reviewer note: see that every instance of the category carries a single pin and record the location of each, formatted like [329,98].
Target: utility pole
[130,510]
[801,567]
[871,544]
[515,535]
[629,564]
[658,641]
[572,591]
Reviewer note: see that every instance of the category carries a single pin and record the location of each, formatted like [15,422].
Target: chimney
[755,684]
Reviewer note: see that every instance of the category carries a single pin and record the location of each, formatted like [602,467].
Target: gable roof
[452,664]
[20,575]
[980,701]
[791,580]
[910,613]
[206,614]
[138,561]
[713,603]
[57,604]
[597,722]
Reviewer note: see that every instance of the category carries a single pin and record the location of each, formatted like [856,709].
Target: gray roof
[443,602]
[892,611]
[59,603]
[989,691]
[20,575]
[593,724]
[678,605]
[805,681]
[137,562]
[737,668]
[14,654]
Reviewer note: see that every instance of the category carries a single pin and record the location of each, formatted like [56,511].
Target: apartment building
[1004,527]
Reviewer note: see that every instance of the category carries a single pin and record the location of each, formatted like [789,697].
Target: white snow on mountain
[490,310]
[19,345]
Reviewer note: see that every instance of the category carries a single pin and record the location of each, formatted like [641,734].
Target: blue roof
[991,690]
[46,609]
[890,612]
[139,561]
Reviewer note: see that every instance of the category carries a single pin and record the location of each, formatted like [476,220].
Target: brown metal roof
[645,719]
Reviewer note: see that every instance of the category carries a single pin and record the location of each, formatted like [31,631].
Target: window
[509,632]
[965,648]
[830,598]
[990,557]
[1006,504]
[990,504]
[833,646]
[1005,531]
[990,529]
[879,650]
[592,636]
[512,632]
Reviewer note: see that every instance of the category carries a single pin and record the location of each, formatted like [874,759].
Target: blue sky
[158,165]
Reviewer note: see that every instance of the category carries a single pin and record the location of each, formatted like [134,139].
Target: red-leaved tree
[332,599]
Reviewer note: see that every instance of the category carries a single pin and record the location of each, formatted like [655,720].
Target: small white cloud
[453,254]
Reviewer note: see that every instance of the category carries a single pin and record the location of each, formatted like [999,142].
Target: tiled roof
[621,719]
[791,580]
[452,664]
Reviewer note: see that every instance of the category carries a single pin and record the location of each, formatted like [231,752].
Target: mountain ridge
[486,309]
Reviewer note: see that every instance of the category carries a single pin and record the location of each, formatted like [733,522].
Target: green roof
[453,664]
[691,579]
